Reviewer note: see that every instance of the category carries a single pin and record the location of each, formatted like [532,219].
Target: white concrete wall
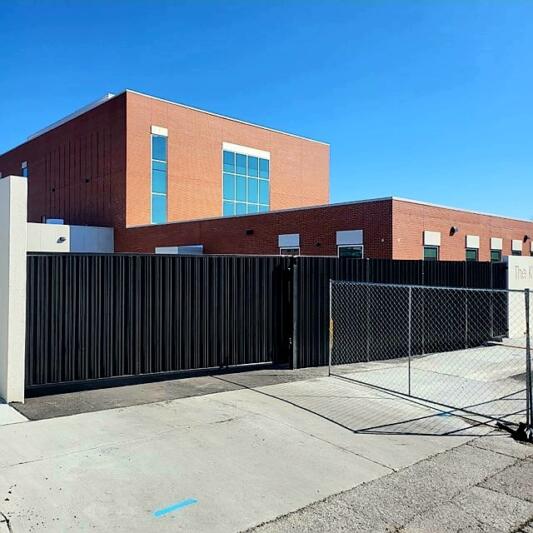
[63,238]
[48,238]
[13,238]
[520,276]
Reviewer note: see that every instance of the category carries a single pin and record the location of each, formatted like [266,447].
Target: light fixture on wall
[249,232]
[526,238]
[454,230]
[61,239]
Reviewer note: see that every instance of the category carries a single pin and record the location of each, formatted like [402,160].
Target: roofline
[225,117]
[110,96]
[340,204]
[288,210]
[71,116]
[461,210]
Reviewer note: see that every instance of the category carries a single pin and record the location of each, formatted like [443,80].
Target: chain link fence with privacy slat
[464,349]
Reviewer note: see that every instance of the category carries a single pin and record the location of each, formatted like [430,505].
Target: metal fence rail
[466,349]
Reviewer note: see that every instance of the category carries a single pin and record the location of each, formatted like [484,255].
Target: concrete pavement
[484,485]
[247,456]
[9,415]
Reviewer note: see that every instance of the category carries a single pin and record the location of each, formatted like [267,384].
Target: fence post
[529,392]
[295,309]
[466,320]
[410,341]
[330,328]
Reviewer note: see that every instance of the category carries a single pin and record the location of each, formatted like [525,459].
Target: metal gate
[91,317]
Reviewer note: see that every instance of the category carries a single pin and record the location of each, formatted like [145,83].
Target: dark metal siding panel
[313,293]
[101,316]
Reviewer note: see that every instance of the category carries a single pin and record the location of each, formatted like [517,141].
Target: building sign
[520,277]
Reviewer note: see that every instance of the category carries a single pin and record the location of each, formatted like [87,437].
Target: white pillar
[13,243]
[520,277]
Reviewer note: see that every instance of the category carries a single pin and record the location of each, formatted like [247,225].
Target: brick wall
[228,235]
[412,219]
[392,229]
[77,170]
[299,168]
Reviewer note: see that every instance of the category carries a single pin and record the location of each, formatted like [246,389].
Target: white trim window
[353,251]
[245,180]
[289,244]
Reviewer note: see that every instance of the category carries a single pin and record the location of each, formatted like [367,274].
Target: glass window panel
[229,161]
[240,188]
[159,165]
[431,253]
[159,147]
[240,208]
[159,209]
[289,251]
[517,252]
[253,166]
[159,181]
[253,190]
[264,168]
[263,192]
[471,254]
[355,252]
[229,187]
[495,256]
[241,164]
[263,208]
[229,209]
[253,208]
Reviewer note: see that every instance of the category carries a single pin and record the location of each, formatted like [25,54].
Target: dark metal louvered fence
[97,316]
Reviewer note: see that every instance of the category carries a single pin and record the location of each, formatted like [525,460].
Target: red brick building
[167,175]
[389,228]
[133,159]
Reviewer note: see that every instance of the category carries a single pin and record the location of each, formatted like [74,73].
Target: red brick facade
[392,229]
[95,169]
[411,219]
[299,168]
[77,170]
[317,228]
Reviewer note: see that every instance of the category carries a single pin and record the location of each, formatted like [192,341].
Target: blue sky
[431,100]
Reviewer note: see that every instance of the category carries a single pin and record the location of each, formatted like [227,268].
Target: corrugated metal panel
[313,292]
[101,316]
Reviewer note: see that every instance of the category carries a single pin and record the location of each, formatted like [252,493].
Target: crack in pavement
[5,519]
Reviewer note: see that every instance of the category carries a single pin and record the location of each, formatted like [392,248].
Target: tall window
[431,253]
[24,169]
[245,184]
[159,179]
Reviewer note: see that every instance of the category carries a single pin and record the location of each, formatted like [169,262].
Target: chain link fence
[463,349]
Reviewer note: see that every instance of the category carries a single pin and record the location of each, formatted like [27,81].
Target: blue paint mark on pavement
[444,414]
[175,507]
